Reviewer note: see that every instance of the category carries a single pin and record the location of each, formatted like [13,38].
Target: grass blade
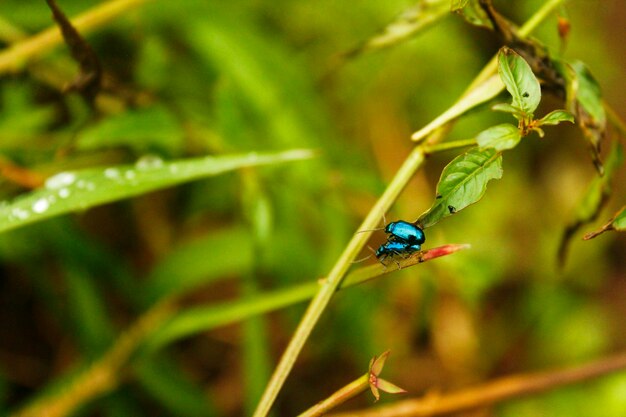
[74,191]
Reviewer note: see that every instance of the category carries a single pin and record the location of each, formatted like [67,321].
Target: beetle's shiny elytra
[406,232]
[396,248]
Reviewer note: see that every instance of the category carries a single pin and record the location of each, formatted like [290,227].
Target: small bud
[376,383]
[564,27]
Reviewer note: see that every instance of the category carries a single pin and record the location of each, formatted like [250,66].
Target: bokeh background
[192,78]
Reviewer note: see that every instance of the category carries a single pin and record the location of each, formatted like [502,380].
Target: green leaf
[463,182]
[588,92]
[555,117]
[74,191]
[595,198]
[584,100]
[162,379]
[519,80]
[619,222]
[472,12]
[508,108]
[88,316]
[194,320]
[143,130]
[500,137]
[226,253]
[406,25]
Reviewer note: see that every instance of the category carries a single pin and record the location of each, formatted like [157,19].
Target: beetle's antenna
[374,230]
[367,257]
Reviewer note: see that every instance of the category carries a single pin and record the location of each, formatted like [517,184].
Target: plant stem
[209,317]
[145,332]
[446,146]
[15,56]
[538,17]
[9,33]
[325,293]
[334,278]
[485,86]
[496,391]
[339,397]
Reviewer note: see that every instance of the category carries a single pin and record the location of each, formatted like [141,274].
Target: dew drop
[20,214]
[64,193]
[130,174]
[62,179]
[41,205]
[112,173]
[149,162]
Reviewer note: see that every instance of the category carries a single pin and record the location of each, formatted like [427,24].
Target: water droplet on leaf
[112,173]
[41,205]
[62,179]
[149,162]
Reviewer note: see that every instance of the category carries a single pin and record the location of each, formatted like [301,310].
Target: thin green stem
[446,146]
[204,318]
[486,85]
[539,16]
[339,397]
[325,293]
[334,278]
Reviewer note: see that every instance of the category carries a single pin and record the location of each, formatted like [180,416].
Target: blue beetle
[402,231]
[396,248]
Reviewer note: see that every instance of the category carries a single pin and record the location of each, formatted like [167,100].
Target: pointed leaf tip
[377,363]
[555,117]
[390,388]
[444,251]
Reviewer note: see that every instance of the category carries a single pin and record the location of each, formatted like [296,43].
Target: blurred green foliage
[195,78]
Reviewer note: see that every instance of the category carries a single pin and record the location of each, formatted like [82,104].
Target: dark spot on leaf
[451,209]
[438,196]
[525,95]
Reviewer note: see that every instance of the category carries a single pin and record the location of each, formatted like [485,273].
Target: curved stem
[334,278]
[446,146]
[322,298]
[339,397]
